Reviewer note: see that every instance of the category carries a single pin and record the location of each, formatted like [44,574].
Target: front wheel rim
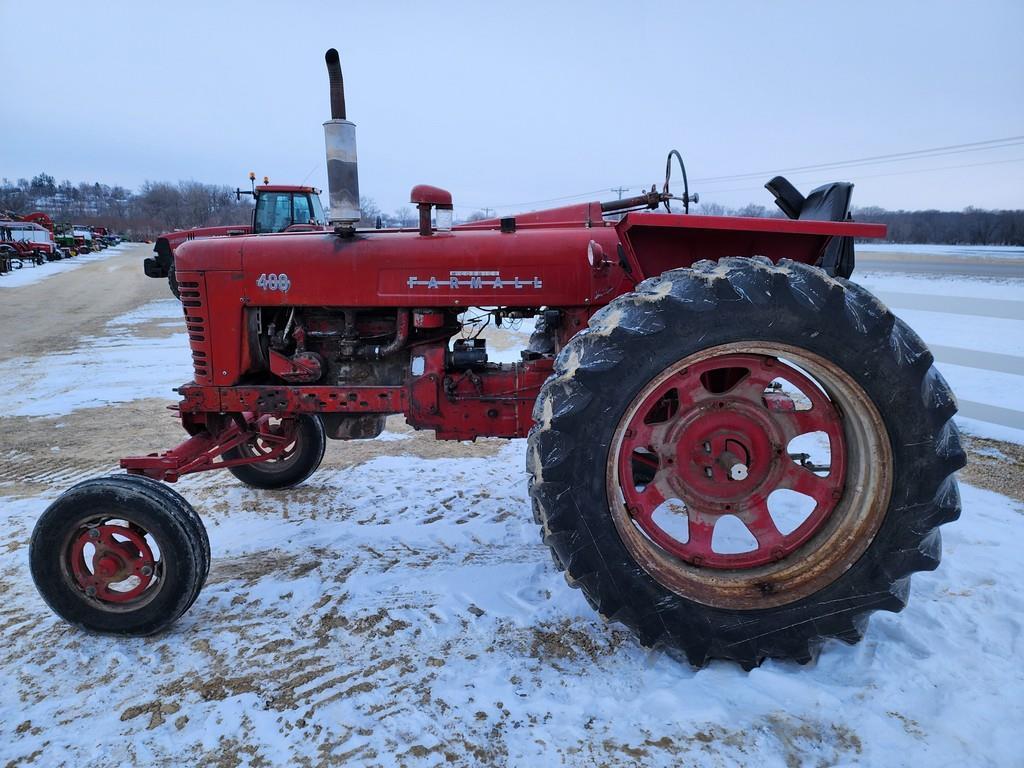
[113,563]
[260,446]
[723,401]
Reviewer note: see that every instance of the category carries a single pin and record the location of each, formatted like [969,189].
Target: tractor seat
[829,202]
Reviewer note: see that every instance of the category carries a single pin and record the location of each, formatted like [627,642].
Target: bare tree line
[160,206]
[971,226]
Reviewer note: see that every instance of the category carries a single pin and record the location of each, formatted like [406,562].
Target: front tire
[172,281]
[687,397]
[120,555]
[299,460]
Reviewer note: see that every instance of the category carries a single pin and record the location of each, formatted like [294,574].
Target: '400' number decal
[274,282]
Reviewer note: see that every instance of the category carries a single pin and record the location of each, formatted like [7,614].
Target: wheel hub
[112,563]
[721,452]
[715,436]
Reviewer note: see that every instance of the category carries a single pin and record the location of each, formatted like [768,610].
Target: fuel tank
[530,267]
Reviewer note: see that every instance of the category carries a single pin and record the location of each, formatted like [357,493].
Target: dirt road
[55,312]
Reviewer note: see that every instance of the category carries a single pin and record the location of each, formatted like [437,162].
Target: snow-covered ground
[404,612]
[400,610]
[29,275]
[975,327]
[986,251]
[114,368]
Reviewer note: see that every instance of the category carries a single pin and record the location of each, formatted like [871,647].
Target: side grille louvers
[193,302]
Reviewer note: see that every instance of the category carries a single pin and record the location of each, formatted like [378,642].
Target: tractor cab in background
[283,208]
[279,208]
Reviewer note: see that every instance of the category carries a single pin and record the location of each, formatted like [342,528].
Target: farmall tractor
[685,373]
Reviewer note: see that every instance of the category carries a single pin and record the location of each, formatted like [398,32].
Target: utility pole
[620,190]
[488,212]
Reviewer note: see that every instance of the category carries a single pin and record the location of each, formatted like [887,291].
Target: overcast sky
[509,103]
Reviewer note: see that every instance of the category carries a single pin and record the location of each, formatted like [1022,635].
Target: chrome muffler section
[340,142]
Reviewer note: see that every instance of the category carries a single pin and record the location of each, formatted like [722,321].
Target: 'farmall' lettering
[475,281]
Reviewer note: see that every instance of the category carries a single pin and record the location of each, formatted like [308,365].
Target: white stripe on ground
[943,286]
[993,388]
[992,413]
[956,305]
[989,361]
[975,329]
[984,334]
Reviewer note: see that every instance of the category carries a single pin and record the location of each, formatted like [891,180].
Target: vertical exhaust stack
[340,140]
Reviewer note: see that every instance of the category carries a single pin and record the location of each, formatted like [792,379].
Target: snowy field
[984,251]
[116,367]
[399,609]
[975,327]
[28,275]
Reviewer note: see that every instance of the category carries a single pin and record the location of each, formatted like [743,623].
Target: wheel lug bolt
[90,591]
[147,570]
[94,533]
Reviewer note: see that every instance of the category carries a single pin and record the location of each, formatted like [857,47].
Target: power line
[311,170]
[917,154]
[538,202]
[894,173]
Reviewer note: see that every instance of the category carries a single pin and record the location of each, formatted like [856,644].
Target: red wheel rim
[272,433]
[112,562]
[715,435]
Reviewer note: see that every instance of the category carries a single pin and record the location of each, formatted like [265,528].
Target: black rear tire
[172,282]
[296,465]
[682,313]
[149,507]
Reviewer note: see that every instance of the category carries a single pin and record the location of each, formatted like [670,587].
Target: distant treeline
[971,226]
[160,206]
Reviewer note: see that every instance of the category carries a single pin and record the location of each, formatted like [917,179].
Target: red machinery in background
[26,240]
[278,208]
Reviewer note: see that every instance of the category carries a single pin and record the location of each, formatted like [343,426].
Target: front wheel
[296,463]
[172,281]
[119,555]
[743,459]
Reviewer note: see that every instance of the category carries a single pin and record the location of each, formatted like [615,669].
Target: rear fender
[655,243]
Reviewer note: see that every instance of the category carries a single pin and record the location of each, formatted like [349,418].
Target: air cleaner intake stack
[340,141]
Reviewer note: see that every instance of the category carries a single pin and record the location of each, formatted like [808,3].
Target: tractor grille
[197,322]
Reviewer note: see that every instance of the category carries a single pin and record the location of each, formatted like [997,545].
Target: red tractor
[279,208]
[25,242]
[684,372]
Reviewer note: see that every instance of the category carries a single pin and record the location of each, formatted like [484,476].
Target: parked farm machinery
[278,208]
[75,238]
[27,240]
[686,372]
